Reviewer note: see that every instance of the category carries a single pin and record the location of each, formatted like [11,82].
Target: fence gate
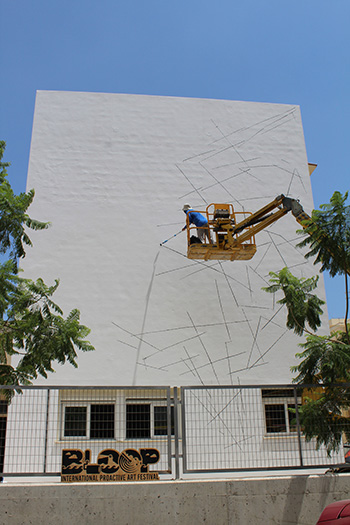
[236,428]
[127,430]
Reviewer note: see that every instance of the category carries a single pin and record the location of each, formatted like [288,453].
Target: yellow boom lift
[232,234]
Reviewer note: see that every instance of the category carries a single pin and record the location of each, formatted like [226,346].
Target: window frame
[277,398]
[152,404]
[86,404]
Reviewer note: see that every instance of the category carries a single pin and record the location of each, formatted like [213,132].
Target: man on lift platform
[196,218]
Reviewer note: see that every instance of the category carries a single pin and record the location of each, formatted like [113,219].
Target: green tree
[302,306]
[325,360]
[33,330]
[328,239]
[13,216]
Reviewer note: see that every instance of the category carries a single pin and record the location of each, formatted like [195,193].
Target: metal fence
[249,428]
[171,431]
[95,422]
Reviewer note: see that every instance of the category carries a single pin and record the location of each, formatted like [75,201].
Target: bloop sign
[129,465]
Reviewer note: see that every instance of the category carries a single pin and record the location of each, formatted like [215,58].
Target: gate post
[298,426]
[176,433]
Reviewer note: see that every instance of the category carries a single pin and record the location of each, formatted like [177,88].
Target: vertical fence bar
[183,429]
[46,428]
[176,434]
[169,427]
[298,426]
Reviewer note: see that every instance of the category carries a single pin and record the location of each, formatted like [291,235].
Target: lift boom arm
[259,220]
[263,217]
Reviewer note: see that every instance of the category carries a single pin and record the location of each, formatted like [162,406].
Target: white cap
[186,207]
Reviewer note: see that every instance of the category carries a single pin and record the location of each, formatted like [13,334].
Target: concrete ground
[280,500]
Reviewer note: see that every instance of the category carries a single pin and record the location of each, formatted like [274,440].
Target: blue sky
[273,51]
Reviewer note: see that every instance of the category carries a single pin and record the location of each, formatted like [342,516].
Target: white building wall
[112,172]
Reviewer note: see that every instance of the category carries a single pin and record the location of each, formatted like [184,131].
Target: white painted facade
[111,173]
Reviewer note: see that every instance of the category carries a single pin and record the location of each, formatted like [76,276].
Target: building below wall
[337,325]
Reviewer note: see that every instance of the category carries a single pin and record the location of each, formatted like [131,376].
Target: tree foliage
[323,418]
[13,216]
[302,306]
[33,329]
[328,236]
[328,239]
[324,360]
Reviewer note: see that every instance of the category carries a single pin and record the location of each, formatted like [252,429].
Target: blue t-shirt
[196,218]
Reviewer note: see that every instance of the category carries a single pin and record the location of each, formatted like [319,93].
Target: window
[278,406]
[94,421]
[102,421]
[75,421]
[138,421]
[161,420]
[146,420]
[279,418]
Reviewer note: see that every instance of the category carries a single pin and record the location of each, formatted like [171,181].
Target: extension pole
[171,237]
